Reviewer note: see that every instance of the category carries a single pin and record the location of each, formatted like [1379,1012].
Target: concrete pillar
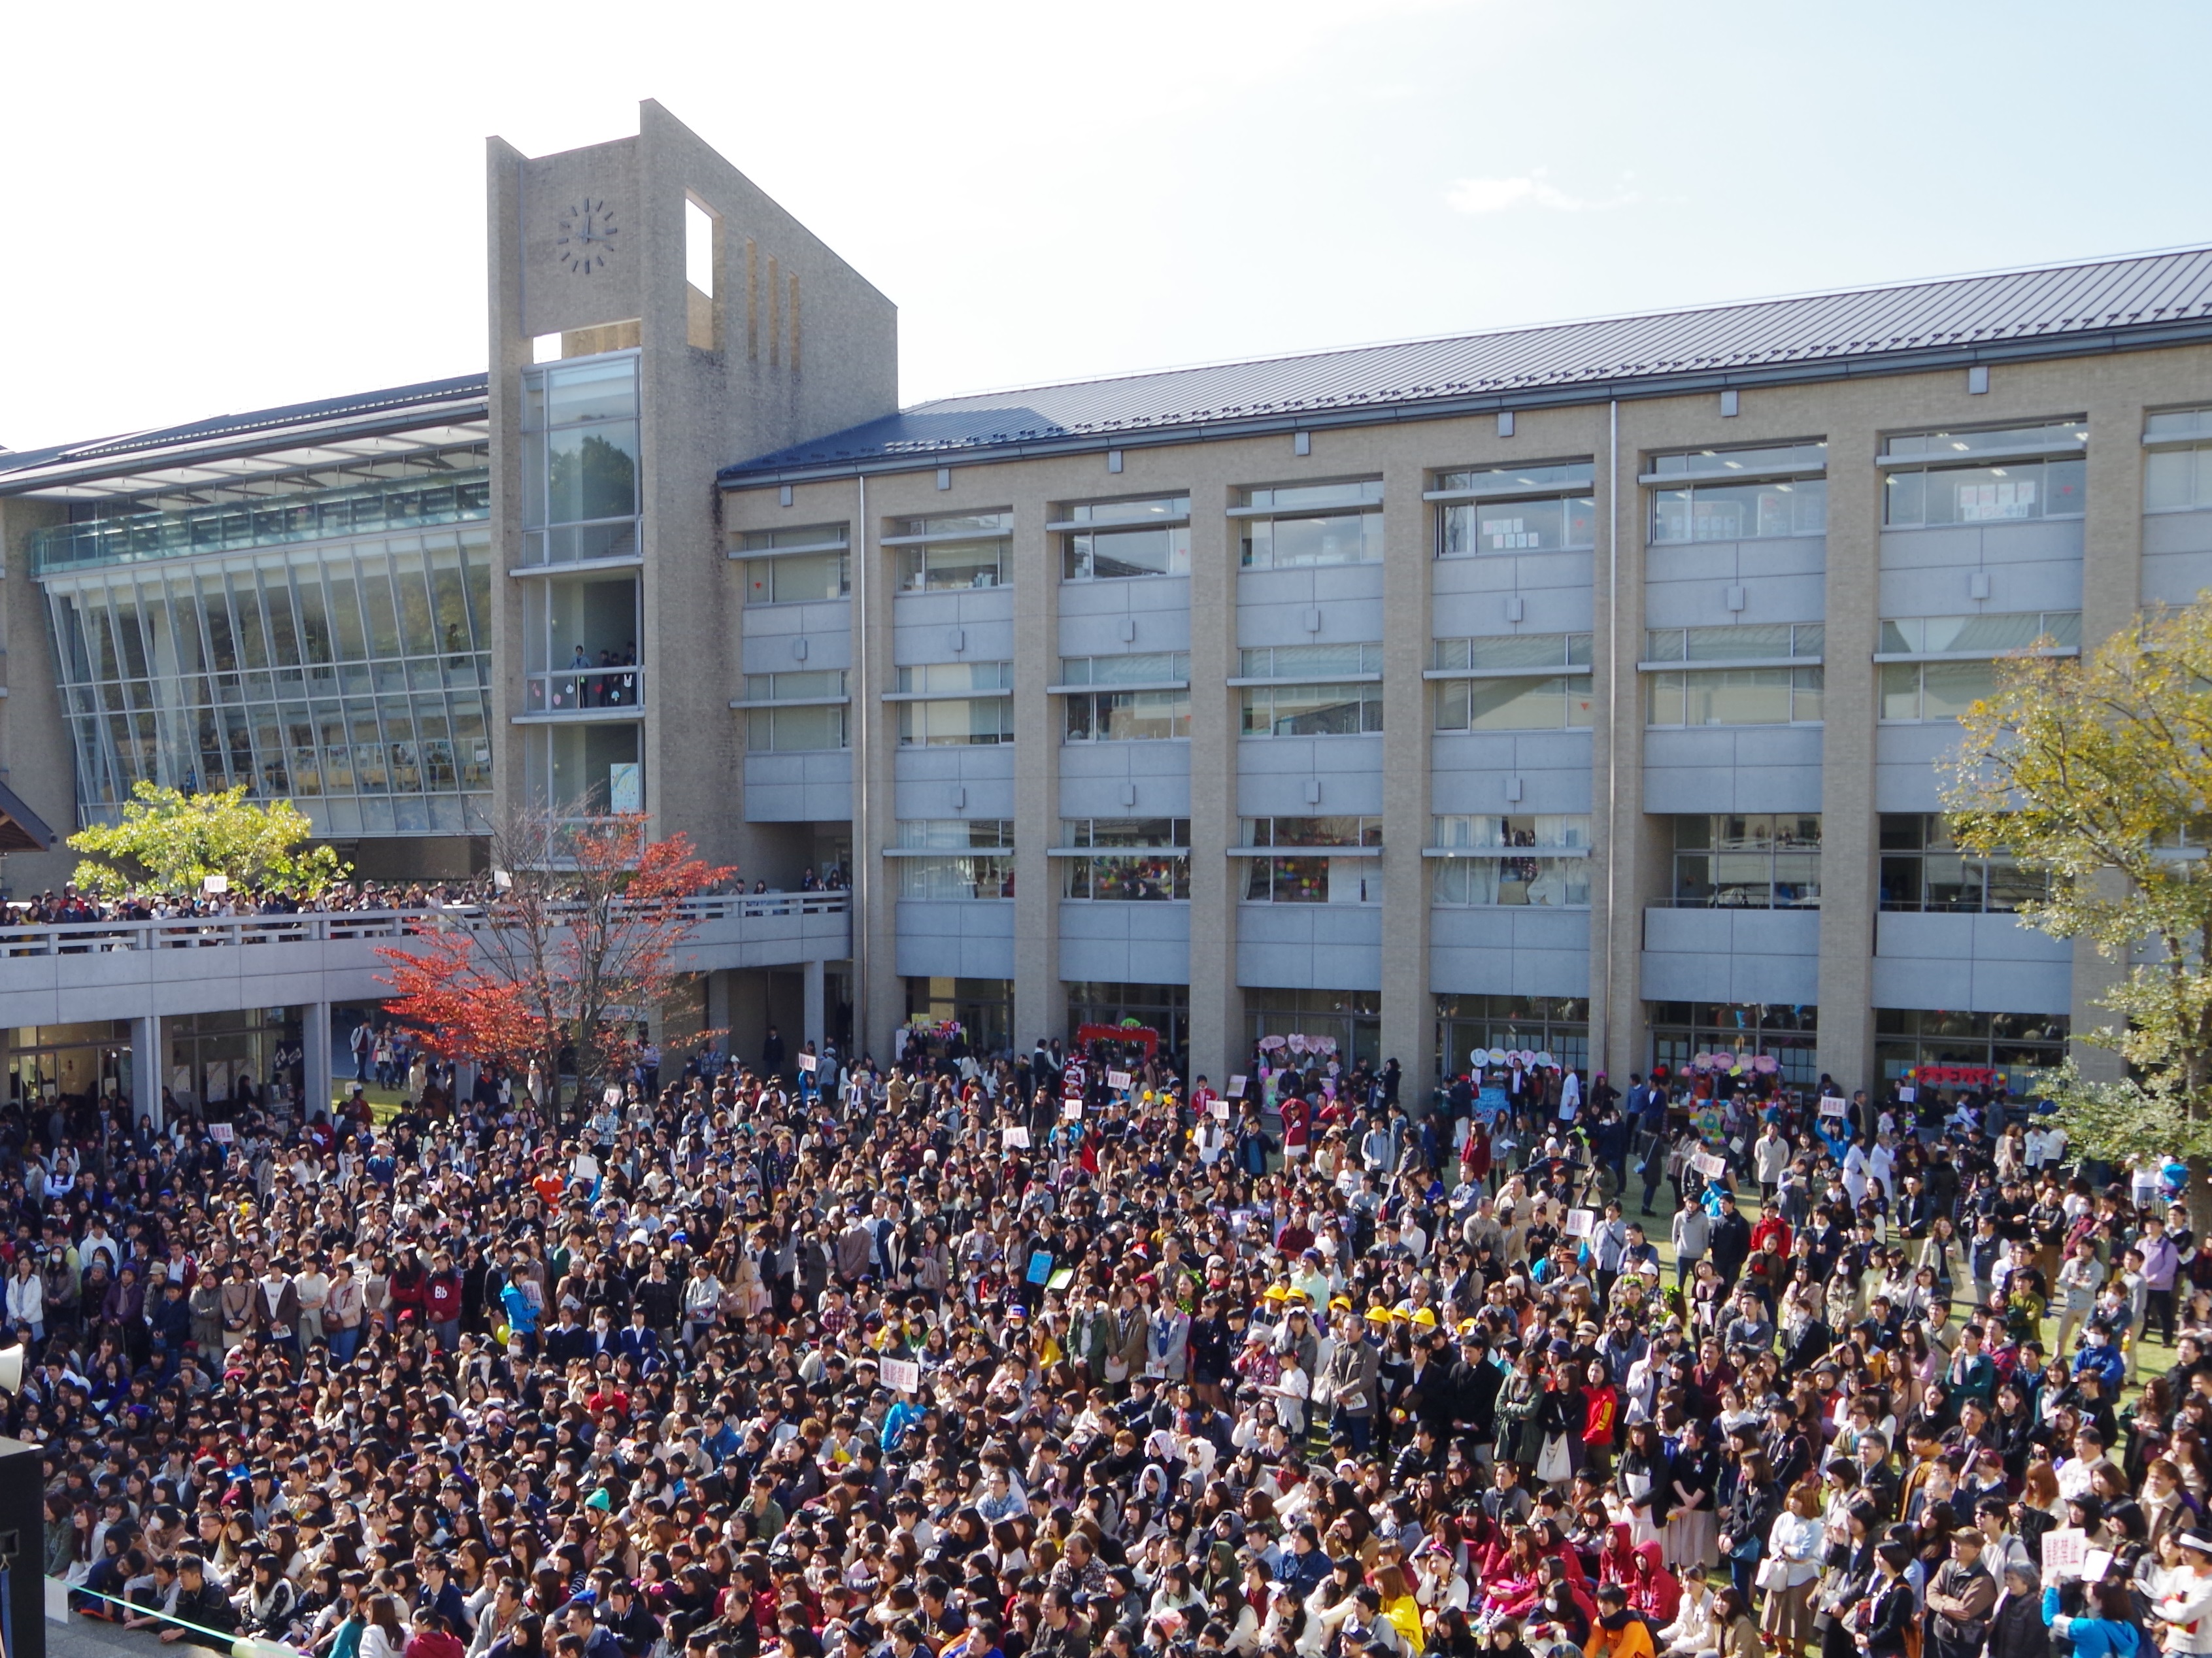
[1040,1003]
[718,1006]
[1218,1039]
[1620,874]
[315,1058]
[1408,1008]
[146,1066]
[1850,841]
[813,1026]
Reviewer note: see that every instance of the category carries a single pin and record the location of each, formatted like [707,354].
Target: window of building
[956,834]
[954,679]
[1788,1035]
[1923,868]
[1343,879]
[1530,703]
[1129,860]
[1739,495]
[1309,661]
[1301,527]
[2177,462]
[983,1009]
[1499,652]
[1559,1025]
[1990,475]
[1310,710]
[585,770]
[1735,695]
[1543,509]
[1312,832]
[1162,1007]
[1747,860]
[1913,692]
[1110,540]
[953,551]
[1128,716]
[2006,1047]
[1152,669]
[1961,670]
[810,565]
[1748,642]
[1352,1020]
[815,717]
[1475,867]
[579,460]
[580,635]
[1979,636]
[982,869]
[956,721]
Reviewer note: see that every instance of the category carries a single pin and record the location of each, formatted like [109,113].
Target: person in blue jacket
[2098,1354]
[2107,1629]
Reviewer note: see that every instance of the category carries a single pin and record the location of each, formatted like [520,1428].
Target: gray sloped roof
[393,407]
[2063,310]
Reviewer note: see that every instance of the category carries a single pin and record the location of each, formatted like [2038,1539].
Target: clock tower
[654,317]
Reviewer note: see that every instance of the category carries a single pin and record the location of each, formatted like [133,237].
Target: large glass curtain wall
[351,678]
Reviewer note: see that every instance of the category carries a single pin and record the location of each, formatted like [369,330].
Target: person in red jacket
[442,1301]
[429,1638]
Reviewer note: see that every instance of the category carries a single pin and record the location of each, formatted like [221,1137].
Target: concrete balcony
[143,969]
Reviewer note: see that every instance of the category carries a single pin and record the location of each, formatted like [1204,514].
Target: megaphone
[11,1369]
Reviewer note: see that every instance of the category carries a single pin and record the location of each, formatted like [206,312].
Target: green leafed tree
[2096,772]
[172,842]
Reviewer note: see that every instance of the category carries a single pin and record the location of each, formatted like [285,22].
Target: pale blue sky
[218,208]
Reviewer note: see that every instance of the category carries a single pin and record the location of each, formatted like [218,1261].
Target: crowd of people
[1039,1355]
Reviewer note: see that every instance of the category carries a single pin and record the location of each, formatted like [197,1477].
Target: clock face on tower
[587,236]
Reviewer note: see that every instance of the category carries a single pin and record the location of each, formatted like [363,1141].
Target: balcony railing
[581,690]
[217,932]
[389,504]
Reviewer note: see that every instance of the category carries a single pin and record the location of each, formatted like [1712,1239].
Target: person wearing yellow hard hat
[1424,1318]
[1378,1315]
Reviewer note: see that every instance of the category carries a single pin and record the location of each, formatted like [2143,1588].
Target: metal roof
[300,436]
[21,830]
[2055,311]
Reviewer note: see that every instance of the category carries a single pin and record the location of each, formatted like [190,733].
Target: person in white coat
[27,1297]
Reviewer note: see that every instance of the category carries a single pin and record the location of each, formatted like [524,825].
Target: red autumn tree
[577,944]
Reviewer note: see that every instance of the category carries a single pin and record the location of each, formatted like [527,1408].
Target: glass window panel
[1949,689]
[345,614]
[592,473]
[950,565]
[1904,499]
[1454,700]
[1666,700]
[1743,695]
[1900,690]
[956,721]
[214,610]
[375,575]
[1104,556]
[956,878]
[1307,543]
[816,577]
[784,730]
[1943,444]
[246,616]
[2170,479]
[1720,644]
[417,637]
[1806,686]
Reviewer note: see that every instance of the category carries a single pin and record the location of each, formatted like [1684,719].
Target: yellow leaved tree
[172,842]
[2096,772]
